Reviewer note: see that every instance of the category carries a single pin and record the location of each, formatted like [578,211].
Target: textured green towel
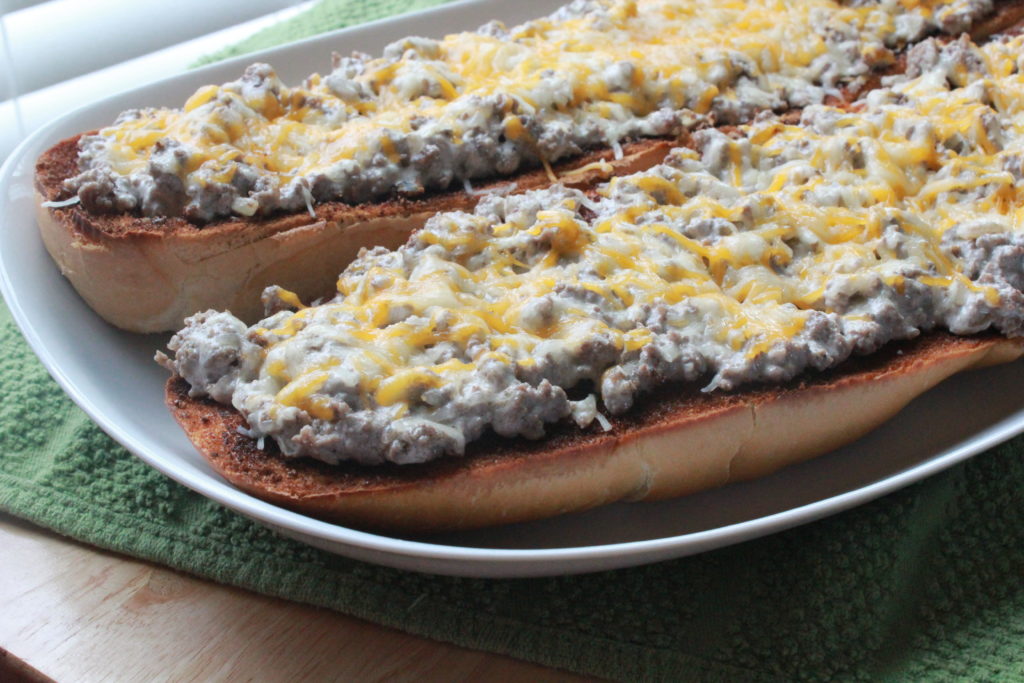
[927,583]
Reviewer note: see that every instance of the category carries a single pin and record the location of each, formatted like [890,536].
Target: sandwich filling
[751,256]
[430,114]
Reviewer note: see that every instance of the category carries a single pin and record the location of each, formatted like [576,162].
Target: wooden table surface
[75,613]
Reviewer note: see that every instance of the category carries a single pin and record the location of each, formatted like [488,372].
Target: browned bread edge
[677,441]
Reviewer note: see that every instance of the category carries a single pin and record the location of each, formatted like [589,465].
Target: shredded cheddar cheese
[429,113]
[751,256]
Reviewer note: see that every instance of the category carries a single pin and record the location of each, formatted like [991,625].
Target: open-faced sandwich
[837,230]
[255,183]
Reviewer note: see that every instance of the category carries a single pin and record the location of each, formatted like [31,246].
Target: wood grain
[72,612]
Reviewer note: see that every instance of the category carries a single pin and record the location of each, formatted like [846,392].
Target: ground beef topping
[752,256]
[431,114]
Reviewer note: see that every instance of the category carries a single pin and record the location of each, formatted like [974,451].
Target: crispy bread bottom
[674,442]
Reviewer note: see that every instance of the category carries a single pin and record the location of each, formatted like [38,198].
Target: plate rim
[423,555]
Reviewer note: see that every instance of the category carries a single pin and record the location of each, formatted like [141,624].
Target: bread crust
[676,441]
[145,275]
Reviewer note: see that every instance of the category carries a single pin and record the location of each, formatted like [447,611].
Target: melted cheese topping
[295,131]
[589,74]
[799,207]
[751,257]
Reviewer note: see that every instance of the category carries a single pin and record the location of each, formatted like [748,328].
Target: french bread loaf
[145,275]
[677,441]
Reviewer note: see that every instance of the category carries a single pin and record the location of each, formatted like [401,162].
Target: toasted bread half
[146,275]
[674,442]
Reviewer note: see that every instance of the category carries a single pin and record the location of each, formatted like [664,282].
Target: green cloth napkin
[927,583]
